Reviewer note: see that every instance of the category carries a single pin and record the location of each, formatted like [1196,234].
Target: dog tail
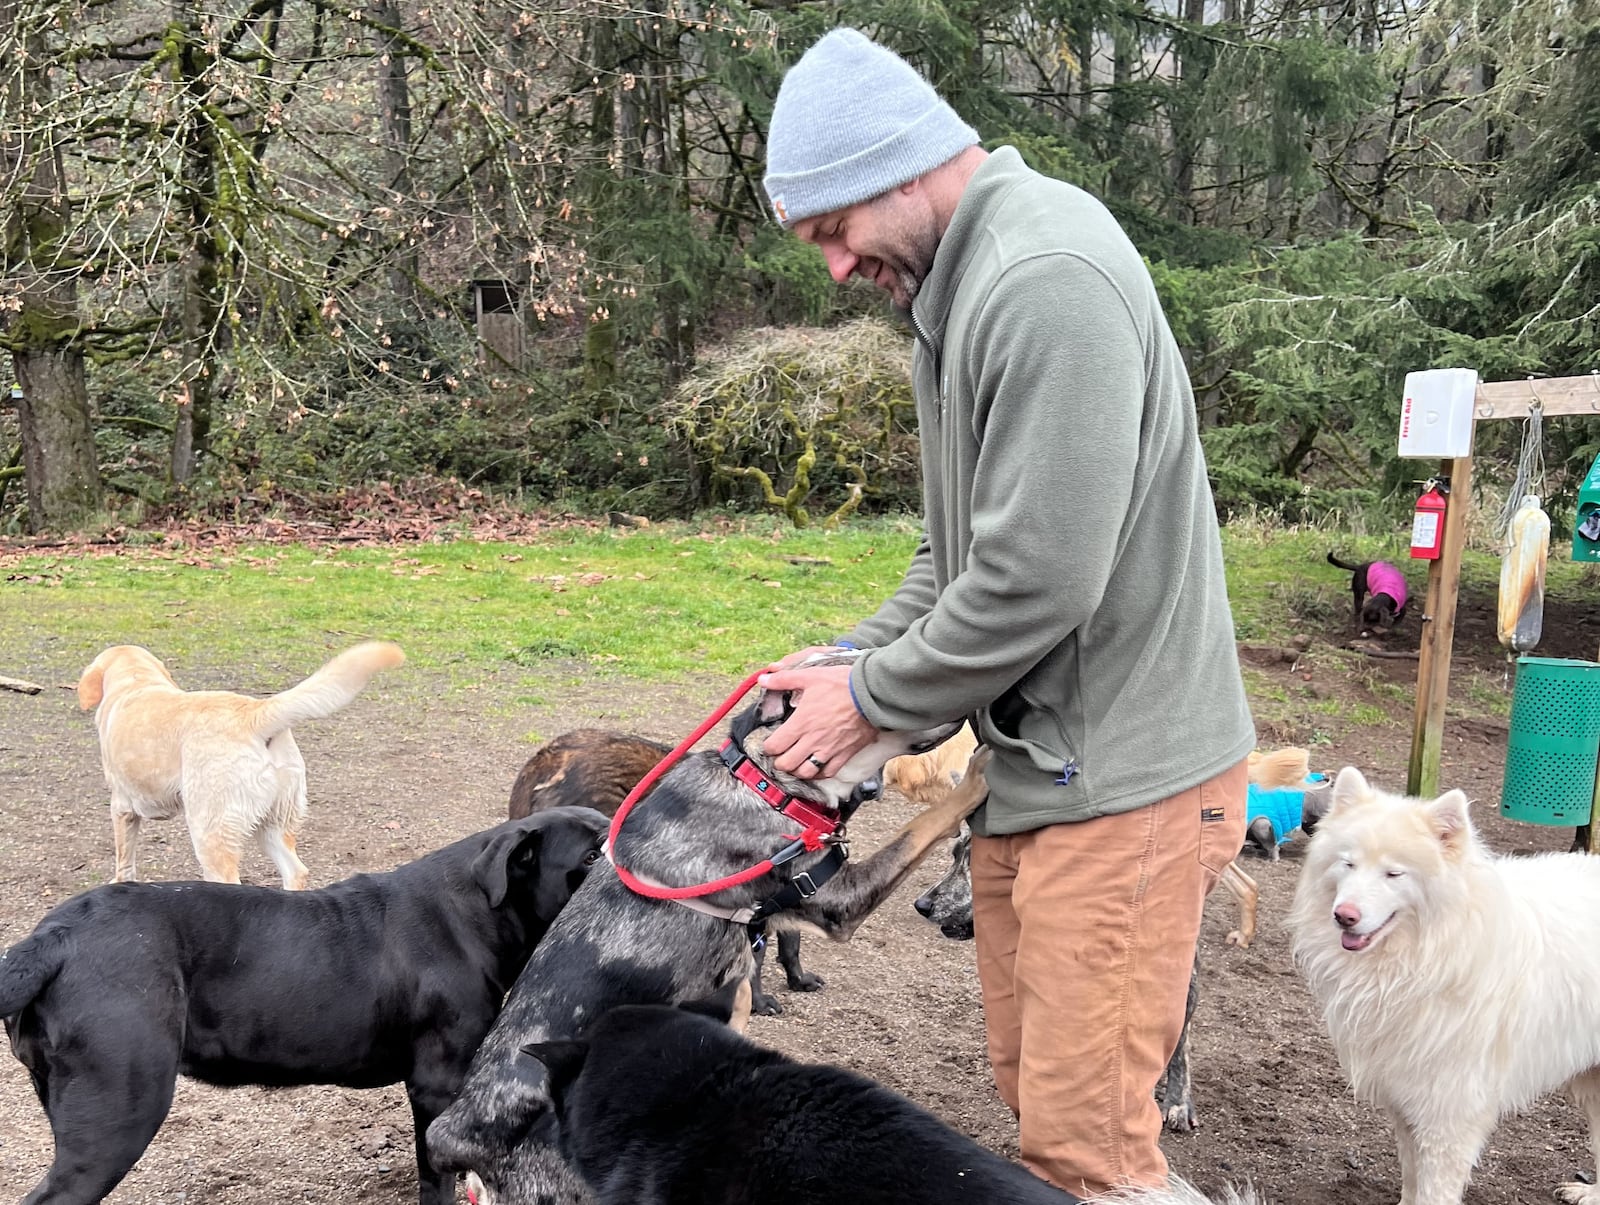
[27,968]
[332,687]
[1279,770]
[1338,564]
[1178,1192]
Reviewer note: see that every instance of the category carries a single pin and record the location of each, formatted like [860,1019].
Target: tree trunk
[201,303]
[58,455]
[600,339]
[394,119]
[1191,72]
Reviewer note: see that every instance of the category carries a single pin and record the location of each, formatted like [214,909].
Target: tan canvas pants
[1086,935]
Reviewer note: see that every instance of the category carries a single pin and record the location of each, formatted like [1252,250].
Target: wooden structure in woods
[1554,396]
[498,317]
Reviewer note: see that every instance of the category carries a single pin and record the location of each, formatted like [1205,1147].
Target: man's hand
[826,729]
[794,659]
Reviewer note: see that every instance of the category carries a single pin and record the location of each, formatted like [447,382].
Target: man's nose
[841,263]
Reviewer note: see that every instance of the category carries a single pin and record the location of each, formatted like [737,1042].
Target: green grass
[659,603]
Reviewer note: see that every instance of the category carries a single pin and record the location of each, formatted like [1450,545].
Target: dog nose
[924,906]
[1347,916]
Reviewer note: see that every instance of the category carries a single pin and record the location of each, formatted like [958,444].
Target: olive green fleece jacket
[1069,587]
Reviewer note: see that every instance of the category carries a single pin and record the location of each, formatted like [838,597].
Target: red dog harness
[820,827]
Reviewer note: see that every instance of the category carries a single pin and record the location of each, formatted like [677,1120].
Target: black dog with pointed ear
[379,979]
[657,1104]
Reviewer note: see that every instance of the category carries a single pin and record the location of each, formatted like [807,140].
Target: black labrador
[378,979]
[656,1105]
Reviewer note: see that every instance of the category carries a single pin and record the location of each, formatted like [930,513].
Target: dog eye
[590,858]
[1394,874]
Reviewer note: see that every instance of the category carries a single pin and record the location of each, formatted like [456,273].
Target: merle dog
[658,1105]
[597,768]
[612,946]
[1379,591]
[377,979]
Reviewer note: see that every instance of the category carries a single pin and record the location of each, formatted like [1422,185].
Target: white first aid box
[1436,413]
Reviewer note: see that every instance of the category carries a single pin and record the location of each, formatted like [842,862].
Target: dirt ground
[409,768]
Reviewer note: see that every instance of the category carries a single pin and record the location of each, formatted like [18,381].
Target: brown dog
[927,777]
[227,761]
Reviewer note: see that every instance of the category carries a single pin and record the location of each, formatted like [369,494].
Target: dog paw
[1236,938]
[805,981]
[973,788]
[1574,1192]
[763,1005]
[1181,1117]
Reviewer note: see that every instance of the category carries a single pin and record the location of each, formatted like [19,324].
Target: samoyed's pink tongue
[1354,941]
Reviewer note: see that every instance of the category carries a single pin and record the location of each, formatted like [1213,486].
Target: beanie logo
[777,204]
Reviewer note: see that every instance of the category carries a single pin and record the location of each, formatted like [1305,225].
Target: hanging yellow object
[1522,576]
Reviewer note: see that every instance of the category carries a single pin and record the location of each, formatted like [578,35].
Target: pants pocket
[1222,818]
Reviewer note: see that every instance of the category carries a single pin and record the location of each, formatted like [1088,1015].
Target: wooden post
[1438,634]
[1555,397]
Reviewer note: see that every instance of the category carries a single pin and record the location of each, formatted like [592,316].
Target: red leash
[654,891]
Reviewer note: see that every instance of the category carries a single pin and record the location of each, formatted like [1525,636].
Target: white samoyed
[1457,985]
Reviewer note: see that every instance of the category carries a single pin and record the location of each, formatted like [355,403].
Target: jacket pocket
[1024,726]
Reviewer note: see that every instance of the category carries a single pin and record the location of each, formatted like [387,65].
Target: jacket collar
[931,309]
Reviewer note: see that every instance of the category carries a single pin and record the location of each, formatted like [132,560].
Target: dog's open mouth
[1363,941]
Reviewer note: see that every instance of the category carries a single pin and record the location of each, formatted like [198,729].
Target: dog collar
[797,890]
[819,820]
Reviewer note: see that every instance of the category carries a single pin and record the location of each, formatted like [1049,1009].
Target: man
[1068,592]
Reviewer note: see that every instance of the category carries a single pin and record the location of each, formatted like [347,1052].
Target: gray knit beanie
[852,121]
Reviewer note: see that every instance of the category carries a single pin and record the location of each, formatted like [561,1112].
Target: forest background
[260,252]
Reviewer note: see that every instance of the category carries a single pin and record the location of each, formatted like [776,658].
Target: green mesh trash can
[1555,731]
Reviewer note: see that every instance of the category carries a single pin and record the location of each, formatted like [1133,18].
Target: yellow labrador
[226,760]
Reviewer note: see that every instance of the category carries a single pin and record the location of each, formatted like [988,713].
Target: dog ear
[1349,787]
[91,687]
[493,866]
[563,1060]
[1448,815]
[719,1006]
[773,706]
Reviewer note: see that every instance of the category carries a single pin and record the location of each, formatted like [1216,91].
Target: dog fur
[926,777]
[611,946]
[594,767]
[227,761]
[1457,986]
[1373,612]
[657,1105]
[377,979]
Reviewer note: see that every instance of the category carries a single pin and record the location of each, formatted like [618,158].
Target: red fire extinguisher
[1427,524]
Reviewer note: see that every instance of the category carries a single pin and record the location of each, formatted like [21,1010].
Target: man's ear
[563,1060]
[719,1006]
[493,867]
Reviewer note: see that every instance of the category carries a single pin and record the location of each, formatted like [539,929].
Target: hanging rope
[1530,470]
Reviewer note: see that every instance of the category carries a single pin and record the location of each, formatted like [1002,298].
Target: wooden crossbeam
[1557,395]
